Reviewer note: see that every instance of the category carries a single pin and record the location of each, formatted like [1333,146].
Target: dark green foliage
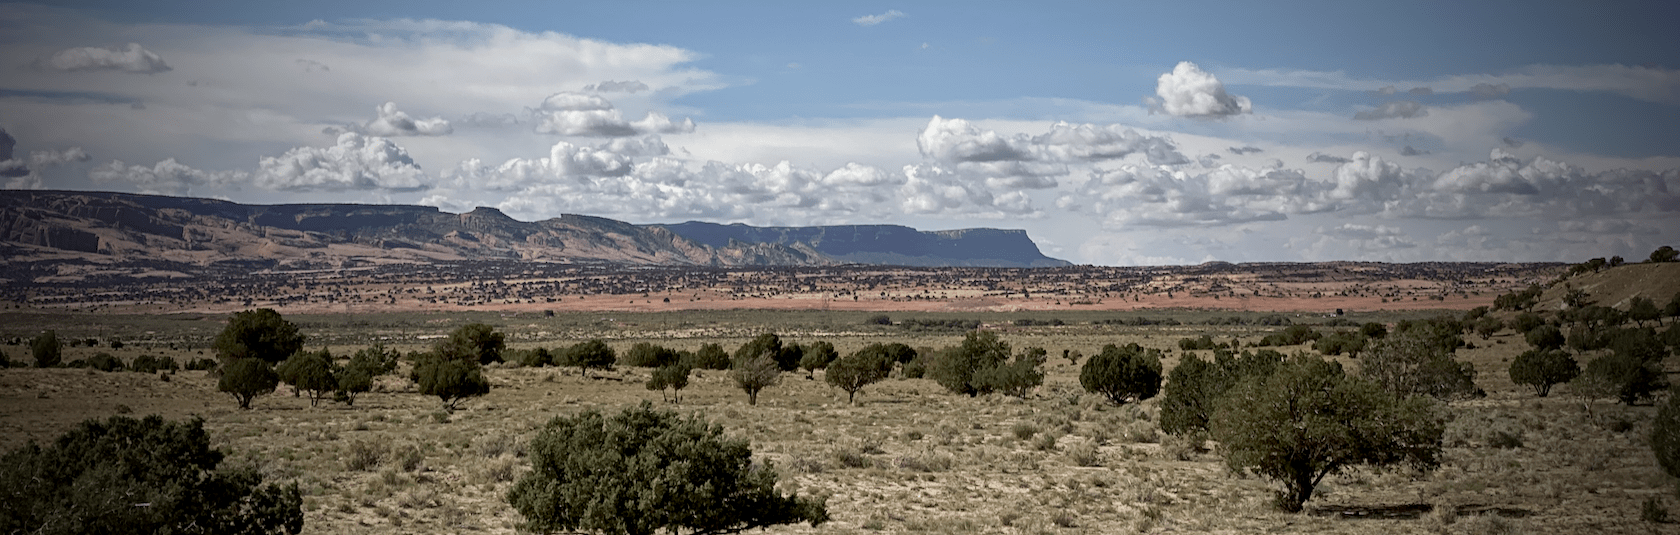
[138,476]
[954,367]
[1672,309]
[47,350]
[893,353]
[1373,330]
[473,341]
[259,334]
[310,372]
[790,356]
[1417,362]
[1194,386]
[1029,322]
[649,355]
[535,357]
[1626,378]
[593,354]
[247,378]
[5,361]
[763,344]
[710,357]
[1123,373]
[1526,322]
[368,363]
[1487,326]
[1470,316]
[917,367]
[201,364]
[673,376]
[1663,254]
[1294,335]
[1545,337]
[1341,342]
[1583,339]
[1642,309]
[878,319]
[753,373]
[1308,419]
[151,364]
[1522,300]
[1639,344]
[863,368]
[1671,337]
[105,362]
[933,325]
[1665,435]
[644,470]
[450,379]
[817,356]
[1192,344]
[1542,368]
[1018,377]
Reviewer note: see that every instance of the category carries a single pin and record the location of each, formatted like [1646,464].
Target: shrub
[311,372]
[473,341]
[1665,436]
[1195,385]
[672,376]
[917,367]
[1620,376]
[1542,368]
[451,380]
[536,358]
[247,378]
[754,373]
[1652,511]
[954,368]
[593,354]
[364,456]
[95,478]
[1023,430]
[710,357]
[818,356]
[1016,378]
[151,364]
[1308,419]
[202,364]
[1192,344]
[47,350]
[5,361]
[645,470]
[357,376]
[878,319]
[863,368]
[649,355]
[1340,342]
[260,334]
[1123,374]
[1419,362]
[1525,322]
[105,362]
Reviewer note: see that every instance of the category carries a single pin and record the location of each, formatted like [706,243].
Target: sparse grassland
[907,458]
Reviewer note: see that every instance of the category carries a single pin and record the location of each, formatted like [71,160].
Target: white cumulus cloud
[1401,109]
[1188,91]
[167,177]
[354,162]
[582,114]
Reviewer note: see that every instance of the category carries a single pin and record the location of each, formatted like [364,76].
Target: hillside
[1614,287]
[117,228]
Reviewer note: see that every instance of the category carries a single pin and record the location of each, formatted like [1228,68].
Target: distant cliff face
[38,226]
[885,244]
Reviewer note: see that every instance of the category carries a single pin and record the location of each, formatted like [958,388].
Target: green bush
[473,341]
[202,364]
[105,362]
[1620,376]
[754,373]
[151,364]
[535,358]
[817,356]
[47,350]
[1123,373]
[1542,368]
[1194,387]
[644,470]
[125,475]
[1308,419]
[310,372]
[672,376]
[260,334]
[1018,377]
[1665,435]
[593,354]
[954,368]
[863,368]
[1419,361]
[246,378]
[451,380]
[709,357]
[649,355]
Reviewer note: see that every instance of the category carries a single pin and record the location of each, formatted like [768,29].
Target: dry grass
[908,457]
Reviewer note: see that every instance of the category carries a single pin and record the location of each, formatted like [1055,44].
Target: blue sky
[1115,133]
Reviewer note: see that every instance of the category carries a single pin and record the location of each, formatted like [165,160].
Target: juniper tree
[1123,374]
